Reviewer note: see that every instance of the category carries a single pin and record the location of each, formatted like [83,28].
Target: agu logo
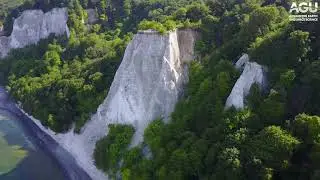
[304,7]
[304,11]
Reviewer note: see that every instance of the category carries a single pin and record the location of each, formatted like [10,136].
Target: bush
[112,148]
[146,25]
[197,11]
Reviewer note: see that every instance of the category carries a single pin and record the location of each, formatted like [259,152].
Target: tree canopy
[62,81]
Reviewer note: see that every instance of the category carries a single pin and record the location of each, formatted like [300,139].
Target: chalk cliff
[32,26]
[252,73]
[148,82]
[146,86]
[243,60]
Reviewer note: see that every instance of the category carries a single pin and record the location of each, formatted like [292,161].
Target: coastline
[66,162]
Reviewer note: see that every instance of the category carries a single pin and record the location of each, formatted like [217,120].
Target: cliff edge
[146,86]
[32,26]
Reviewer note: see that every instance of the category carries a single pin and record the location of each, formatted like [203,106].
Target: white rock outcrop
[1,30]
[32,26]
[252,73]
[148,82]
[240,64]
[146,86]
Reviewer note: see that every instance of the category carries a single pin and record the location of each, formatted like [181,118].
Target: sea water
[20,158]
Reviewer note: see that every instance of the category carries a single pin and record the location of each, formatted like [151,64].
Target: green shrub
[146,25]
[111,149]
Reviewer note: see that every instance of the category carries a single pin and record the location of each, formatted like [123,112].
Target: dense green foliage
[61,82]
[271,138]
[275,137]
[110,149]
[62,91]
[11,9]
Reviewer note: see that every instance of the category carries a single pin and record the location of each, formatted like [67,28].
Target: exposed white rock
[146,86]
[32,26]
[187,38]
[1,30]
[4,46]
[240,64]
[252,73]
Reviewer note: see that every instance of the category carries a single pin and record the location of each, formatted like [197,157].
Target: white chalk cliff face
[32,26]
[146,86]
[240,64]
[148,82]
[252,73]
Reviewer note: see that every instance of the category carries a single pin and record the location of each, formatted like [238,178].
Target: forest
[61,81]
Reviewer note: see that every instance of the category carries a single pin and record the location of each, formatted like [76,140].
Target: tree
[224,84]
[311,78]
[229,165]
[270,111]
[307,128]
[52,58]
[274,146]
[298,46]
[111,148]
[219,7]
[261,20]
[311,75]
[254,98]
[255,170]
[287,79]
[196,12]
[179,162]
[152,134]
[181,14]
[146,25]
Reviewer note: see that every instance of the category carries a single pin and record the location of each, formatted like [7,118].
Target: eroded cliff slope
[148,82]
[252,73]
[147,86]
[32,26]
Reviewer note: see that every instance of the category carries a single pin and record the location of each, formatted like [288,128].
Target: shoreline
[67,163]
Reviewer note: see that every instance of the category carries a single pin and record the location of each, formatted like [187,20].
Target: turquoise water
[20,158]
